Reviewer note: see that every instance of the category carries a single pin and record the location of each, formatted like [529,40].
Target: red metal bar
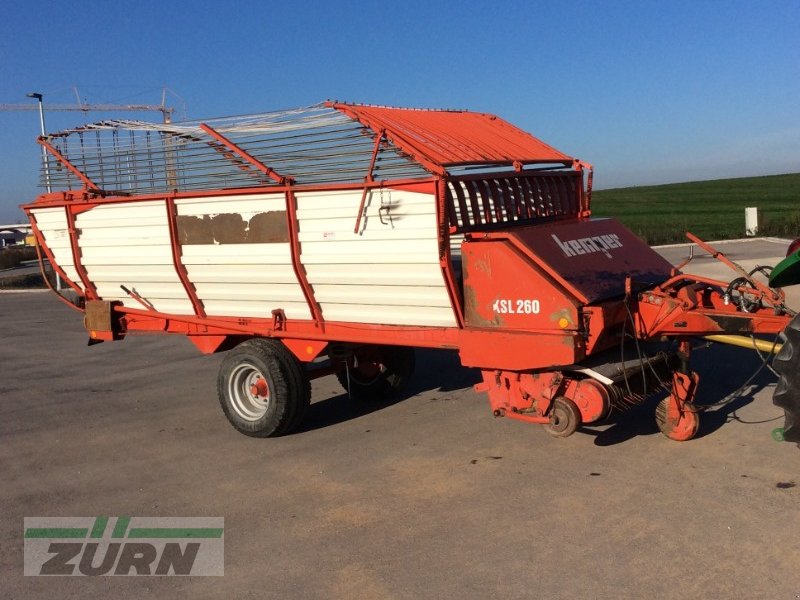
[659,312]
[525,417]
[670,283]
[445,260]
[41,243]
[63,160]
[225,152]
[177,258]
[767,291]
[277,177]
[297,265]
[41,247]
[90,290]
[368,179]
[428,337]
[69,197]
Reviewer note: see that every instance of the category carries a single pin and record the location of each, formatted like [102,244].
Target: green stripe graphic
[120,527]
[56,532]
[175,532]
[99,526]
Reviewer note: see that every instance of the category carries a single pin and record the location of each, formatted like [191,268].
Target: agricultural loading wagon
[345,235]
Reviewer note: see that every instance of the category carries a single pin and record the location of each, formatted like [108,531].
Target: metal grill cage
[312,145]
[482,202]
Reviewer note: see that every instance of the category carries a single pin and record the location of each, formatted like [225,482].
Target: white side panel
[52,222]
[397,275]
[391,295]
[153,273]
[238,273]
[386,274]
[244,279]
[222,255]
[380,314]
[246,205]
[248,308]
[128,244]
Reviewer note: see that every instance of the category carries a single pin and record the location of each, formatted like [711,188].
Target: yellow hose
[746,342]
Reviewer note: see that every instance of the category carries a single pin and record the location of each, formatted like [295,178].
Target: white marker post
[751,221]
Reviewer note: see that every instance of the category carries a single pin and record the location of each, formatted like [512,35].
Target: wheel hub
[249,392]
[259,388]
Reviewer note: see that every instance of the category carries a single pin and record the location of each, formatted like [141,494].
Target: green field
[712,210]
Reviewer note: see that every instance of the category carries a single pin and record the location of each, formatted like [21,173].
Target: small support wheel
[686,427]
[565,418]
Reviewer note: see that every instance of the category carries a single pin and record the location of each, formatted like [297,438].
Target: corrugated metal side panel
[242,279]
[154,273]
[129,244]
[52,222]
[398,275]
[387,274]
[449,137]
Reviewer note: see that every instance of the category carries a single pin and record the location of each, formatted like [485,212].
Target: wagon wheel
[376,372]
[686,427]
[787,392]
[262,388]
[565,418]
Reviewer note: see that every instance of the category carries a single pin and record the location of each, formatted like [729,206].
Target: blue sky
[648,92]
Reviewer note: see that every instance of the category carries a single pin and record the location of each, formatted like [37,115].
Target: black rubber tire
[297,379]
[396,367]
[248,413]
[787,392]
[565,418]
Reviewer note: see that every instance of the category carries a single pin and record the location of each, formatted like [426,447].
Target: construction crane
[166,111]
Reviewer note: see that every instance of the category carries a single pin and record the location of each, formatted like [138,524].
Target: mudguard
[786,272]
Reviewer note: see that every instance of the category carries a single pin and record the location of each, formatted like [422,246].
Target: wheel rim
[248,392]
[565,418]
[559,420]
[366,371]
[684,430]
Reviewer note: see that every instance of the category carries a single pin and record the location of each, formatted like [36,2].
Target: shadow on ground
[729,380]
[435,370]
[723,371]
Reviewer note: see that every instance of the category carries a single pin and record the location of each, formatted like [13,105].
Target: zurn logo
[589,245]
[93,546]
